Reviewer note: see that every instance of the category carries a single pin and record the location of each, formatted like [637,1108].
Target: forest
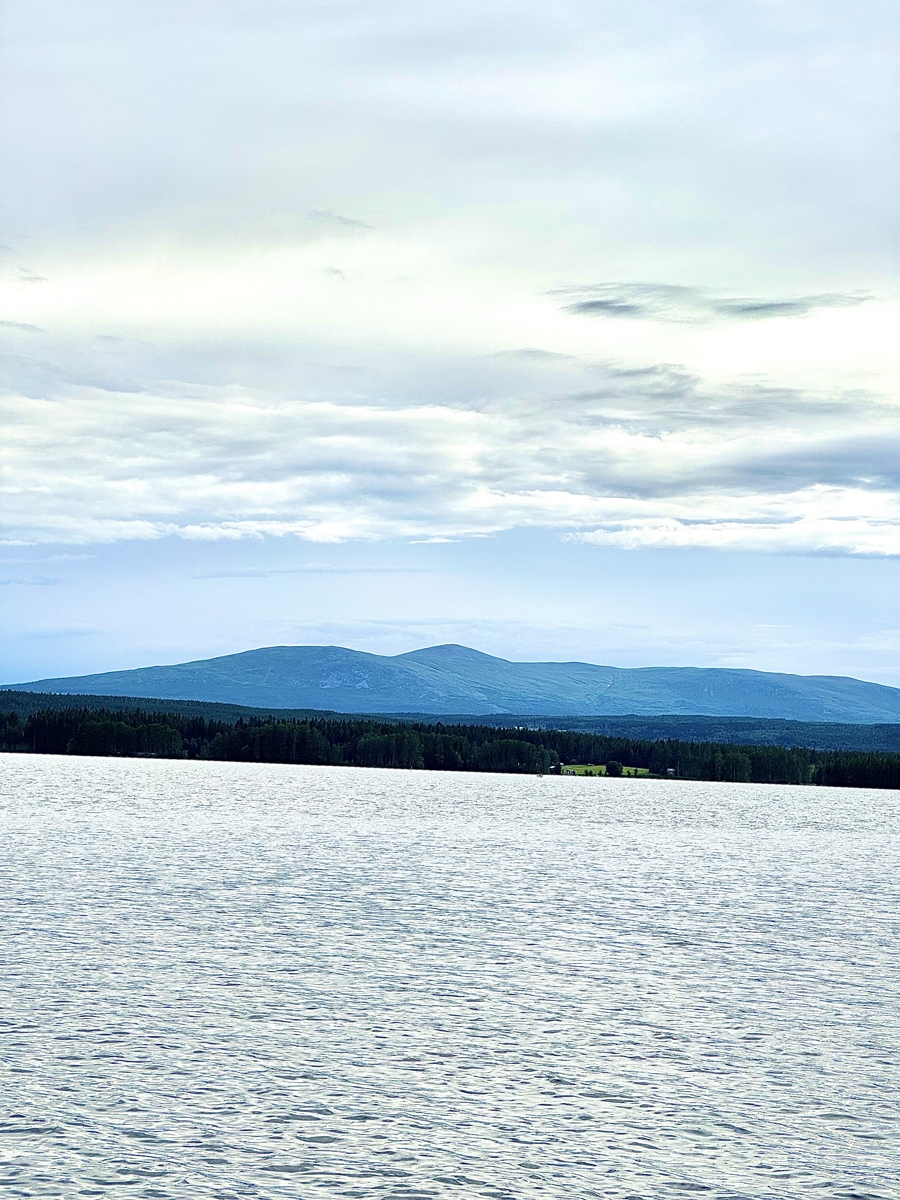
[362,742]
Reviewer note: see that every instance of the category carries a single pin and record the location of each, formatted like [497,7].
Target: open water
[229,980]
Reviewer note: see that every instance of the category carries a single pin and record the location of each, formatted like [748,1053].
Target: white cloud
[302,265]
[864,535]
[646,458]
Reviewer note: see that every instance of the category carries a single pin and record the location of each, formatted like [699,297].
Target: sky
[563,331]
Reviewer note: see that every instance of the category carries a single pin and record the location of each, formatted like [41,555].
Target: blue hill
[455,679]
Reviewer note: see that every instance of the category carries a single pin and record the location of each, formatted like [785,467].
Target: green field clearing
[599,769]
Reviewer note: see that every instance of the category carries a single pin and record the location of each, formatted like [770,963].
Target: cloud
[323,216]
[209,216]
[692,305]
[28,581]
[51,632]
[829,534]
[651,456]
[309,569]
[533,354]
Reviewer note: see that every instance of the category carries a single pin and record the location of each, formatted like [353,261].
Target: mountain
[456,679]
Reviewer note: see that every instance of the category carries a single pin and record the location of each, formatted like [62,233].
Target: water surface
[239,980]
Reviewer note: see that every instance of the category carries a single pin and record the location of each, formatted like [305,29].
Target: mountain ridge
[458,679]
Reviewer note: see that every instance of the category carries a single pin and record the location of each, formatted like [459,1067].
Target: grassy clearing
[599,769]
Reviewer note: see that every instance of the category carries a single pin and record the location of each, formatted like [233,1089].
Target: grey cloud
[796,307]
[844,460]
[496,147]
[533,354]
[48,558]
[26,581]
[333,218]
[310,569]
[715,125]
[691,305]
[784,452]
[46,379]
[63,631]
[608,308]
[643,445]
[667,400]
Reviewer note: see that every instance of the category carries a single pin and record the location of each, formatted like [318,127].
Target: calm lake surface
[230,980]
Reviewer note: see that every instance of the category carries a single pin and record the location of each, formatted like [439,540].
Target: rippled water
[229,980]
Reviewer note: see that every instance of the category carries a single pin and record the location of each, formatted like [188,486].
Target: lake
[240,980]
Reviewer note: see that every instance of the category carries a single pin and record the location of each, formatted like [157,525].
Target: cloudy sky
[565,331]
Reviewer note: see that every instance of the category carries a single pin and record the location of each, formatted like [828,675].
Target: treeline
[335,742]
[349,741]
[735,731]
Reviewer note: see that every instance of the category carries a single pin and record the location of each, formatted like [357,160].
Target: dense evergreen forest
[743,731]
[350,741]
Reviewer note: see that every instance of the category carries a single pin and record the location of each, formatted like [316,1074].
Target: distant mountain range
[455,679]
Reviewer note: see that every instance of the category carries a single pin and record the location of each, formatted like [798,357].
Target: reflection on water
[229,980]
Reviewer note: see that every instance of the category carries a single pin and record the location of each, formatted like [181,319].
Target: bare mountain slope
[456,679]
